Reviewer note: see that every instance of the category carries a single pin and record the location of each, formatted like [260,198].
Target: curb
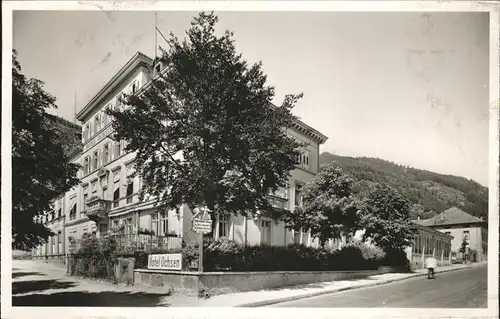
[319,293]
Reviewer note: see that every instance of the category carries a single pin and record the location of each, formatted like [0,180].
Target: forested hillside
[69,134]
[430,193]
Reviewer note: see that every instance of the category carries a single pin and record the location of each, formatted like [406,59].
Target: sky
[407,87]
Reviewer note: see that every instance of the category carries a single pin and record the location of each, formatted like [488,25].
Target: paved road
[35,284]
[455,289]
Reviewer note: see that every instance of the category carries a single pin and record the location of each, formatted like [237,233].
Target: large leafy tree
[328,208]
[386,218]
[209,116]
[40,168]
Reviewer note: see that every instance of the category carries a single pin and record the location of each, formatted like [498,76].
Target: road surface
[455,289]
[38,284]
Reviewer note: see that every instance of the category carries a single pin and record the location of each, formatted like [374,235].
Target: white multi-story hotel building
[108,194]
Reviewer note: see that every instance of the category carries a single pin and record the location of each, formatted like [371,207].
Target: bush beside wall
[395,258]
[97,257]
[226,255]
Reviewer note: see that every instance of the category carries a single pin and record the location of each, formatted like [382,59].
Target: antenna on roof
[74,109]
[156,46]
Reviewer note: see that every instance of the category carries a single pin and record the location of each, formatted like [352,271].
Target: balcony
[97,208]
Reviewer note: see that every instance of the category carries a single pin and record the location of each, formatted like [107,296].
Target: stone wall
[124,271]
[215,283]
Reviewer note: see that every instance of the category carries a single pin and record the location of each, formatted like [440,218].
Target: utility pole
[74,109]
[156,45]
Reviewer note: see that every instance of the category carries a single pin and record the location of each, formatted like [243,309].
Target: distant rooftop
[451,216]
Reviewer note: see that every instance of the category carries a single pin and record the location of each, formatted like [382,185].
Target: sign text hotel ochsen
[165,262]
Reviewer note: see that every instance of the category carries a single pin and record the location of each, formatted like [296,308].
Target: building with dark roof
[461,225]
[429,242]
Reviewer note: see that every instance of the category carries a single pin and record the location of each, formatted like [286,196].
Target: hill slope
[430,193]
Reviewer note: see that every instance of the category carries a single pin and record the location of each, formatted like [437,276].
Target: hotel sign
[203,226]
[165,262]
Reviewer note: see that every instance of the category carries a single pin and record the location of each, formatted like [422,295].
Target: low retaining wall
[392,269]
[216,283]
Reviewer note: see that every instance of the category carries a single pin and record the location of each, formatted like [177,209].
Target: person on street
[430,264]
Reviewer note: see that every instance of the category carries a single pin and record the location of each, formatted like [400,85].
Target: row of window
[428,245]
[303,160]
[101,120]
[159,224]
[50,216]
[265,228]
[53,246]
[283,193]
[129,192]
[465,234]
[100,158]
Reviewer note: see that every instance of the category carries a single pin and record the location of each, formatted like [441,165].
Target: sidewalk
[39,283]
[272,296]
[57,265]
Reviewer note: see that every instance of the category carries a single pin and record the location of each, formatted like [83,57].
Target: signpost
[202,224]
[72,245]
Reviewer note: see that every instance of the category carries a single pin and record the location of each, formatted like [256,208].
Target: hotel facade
[108,194]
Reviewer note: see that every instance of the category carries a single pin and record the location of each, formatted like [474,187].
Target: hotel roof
[451,216]
[141,59]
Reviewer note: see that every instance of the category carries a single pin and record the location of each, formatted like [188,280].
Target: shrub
[371,253]
[349,258]
[395,258]
[222,254]
[226,255]
[96,257]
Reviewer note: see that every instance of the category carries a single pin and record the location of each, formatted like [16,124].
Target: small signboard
[202,224]
[165,261]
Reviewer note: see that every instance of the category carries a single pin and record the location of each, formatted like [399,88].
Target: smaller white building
[429,242]
[462,226]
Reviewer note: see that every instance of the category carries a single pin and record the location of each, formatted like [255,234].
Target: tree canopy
[328,207]
[386,219]
[209,117]
[41,170]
